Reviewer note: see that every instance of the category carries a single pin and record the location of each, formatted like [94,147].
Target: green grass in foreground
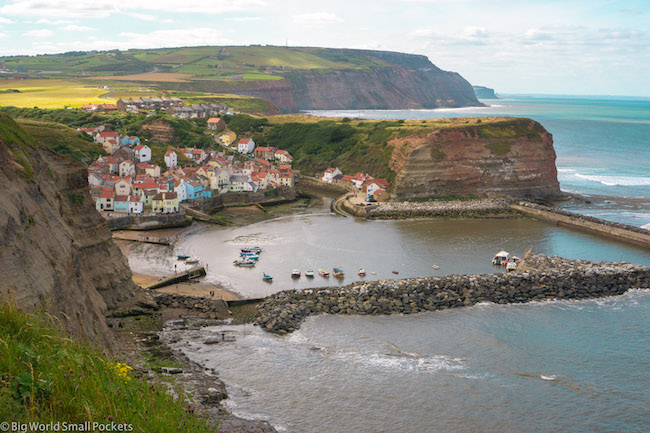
[48,376]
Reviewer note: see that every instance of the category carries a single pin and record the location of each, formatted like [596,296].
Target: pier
[629,234]
[187,275]
[138,237]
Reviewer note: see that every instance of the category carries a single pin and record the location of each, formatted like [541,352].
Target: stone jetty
[545,278]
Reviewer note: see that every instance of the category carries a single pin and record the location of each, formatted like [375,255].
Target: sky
[592,47]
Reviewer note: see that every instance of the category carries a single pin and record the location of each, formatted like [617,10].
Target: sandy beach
[190,289]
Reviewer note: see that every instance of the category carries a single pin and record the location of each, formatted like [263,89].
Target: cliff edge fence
[553,278]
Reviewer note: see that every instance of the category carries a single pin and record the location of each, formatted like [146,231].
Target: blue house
[121,204]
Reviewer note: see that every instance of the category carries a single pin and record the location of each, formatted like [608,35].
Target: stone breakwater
[456,208]
[551,278]
[581,217]
[206,307]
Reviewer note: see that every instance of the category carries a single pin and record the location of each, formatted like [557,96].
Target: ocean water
[558,366]
[602,145]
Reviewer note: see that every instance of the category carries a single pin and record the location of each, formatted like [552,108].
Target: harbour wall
[208,307]
[547,278]
[609,229]
[135,222]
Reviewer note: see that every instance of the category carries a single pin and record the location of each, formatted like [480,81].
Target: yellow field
[152,76]
[50,93]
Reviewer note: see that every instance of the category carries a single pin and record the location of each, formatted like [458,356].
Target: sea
[553,366]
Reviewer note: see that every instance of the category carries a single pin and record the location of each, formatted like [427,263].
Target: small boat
[295,273]
[192,260]
[267,277]
[251,250]
[244,263]
[361,272]
[512,264]
[395,272]
[182,256]
[251,257]
[500,258]
[436,267]
[248,254]
[323,273]
[309,273]
[338,272]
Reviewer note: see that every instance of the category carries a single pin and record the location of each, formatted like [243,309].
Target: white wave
[551,377]
[647,226]
[565,170]
[402,363]
[616,180]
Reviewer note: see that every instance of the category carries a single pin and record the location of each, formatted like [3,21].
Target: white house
[171,159]
[180,188]
[283,156]
[135,204]
[372,189]
[330,173]
[95,179]
[127,168]
[246,145]
[142,153]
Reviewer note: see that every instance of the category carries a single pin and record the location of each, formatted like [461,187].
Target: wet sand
[189,289]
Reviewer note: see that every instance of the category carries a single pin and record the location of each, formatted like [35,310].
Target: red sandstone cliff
[511,157]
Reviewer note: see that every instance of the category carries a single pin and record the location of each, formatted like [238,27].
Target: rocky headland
[506,157]
[539,278]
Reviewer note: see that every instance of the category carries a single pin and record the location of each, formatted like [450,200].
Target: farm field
[50,93]
[152,76]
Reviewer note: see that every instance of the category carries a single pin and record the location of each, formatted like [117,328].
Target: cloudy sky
[599,47]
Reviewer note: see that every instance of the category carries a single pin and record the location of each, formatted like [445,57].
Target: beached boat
[251,250]
[182,257]
[361,272]
[267,277]
[500,258]
[338,272]
[323,273]
[192,260]
[309,273]
[295,273]
[248,254]
[251,257]
[244,263]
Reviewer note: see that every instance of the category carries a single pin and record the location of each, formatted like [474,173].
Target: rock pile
[211,308]
[553,278]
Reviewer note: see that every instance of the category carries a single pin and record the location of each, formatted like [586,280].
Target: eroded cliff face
[398,81]
[56,251]
[513,157]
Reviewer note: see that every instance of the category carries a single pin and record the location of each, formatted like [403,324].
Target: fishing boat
[267,277]
[192,260]
[309,273]
[295,273]
[512,264]
[251,257]
[248,254]
[251,250]
[338,272]
[182,256]
[500,258]
[244,263]
[361,272]
[323,273]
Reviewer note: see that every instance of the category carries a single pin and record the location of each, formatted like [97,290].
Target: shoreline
[198,289]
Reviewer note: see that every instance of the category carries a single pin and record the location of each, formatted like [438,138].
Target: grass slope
[50,93]
[47,376]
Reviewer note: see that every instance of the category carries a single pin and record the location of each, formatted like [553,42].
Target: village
[366,187]
[127,182]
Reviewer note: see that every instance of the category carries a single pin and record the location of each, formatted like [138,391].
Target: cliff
[508,157]
[358,79]
[56,252]
[484,92]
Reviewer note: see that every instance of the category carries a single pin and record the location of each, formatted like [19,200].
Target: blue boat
[254,250]
[267,277]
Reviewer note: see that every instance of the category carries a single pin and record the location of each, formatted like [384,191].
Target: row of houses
[370,186]
[138,184]
[199,111]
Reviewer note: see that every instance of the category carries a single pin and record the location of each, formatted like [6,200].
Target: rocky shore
[545,278]
[483,208]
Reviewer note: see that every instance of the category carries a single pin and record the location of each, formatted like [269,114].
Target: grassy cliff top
[46,375]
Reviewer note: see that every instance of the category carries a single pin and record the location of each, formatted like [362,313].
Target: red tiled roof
[245,140]
[214,119]
[346,178]
[134,198]
[139,147]
[165,196]
[108,134]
